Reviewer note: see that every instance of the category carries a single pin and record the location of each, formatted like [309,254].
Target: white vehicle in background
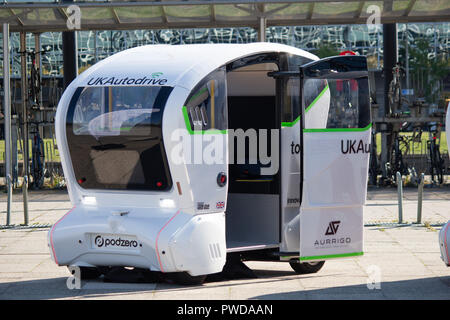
[444,234]
[136,133]
[447,127]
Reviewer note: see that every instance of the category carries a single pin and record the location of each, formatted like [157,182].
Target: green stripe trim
[332,256]
[316,99]
[290,124]
[340,129]
[189,129]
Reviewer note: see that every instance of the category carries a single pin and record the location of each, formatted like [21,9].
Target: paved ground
[404,259]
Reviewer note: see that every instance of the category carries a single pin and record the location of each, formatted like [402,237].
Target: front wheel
[186,279]
[306,267]
[87,273]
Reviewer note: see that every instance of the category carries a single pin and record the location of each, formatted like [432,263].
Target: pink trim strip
[445,242]
[157,237]
[51,234]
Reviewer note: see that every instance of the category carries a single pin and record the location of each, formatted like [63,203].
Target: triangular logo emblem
[332,228]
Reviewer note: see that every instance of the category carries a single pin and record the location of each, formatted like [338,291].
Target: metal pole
[419,198]
[23,63]
[408,84]
[7,111]
[95,46]
[390,58]
[70,56]
[262,29]
[400,197]
[41,113]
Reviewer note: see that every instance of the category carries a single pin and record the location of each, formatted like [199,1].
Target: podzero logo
[107,242]
[99,241]
[332,228]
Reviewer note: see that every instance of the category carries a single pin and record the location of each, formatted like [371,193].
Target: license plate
[114,242]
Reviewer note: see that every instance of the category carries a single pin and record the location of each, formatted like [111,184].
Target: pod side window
[314,89]
[206,106]
[349,103]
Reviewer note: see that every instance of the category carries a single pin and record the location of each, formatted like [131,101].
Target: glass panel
[292,11]
[39,17]
[97,15]
[207,105]
[115,138]
[232,12]
[335,9]
[136,14]
[349,102]
[115,111]
[431,7]
[187,13]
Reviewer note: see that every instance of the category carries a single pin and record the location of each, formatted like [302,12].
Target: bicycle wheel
[436,169]
[439,165]
[391,97]
[35,86]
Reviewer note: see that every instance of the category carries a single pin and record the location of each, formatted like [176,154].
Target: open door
[335,157]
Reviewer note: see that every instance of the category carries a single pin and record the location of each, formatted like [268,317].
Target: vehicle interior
[253,206]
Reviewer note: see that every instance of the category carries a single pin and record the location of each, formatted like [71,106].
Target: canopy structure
[166,14]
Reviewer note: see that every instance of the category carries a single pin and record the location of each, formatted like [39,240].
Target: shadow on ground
[56,288]
[437,288]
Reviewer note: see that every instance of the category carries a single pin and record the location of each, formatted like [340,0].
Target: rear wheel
[306,267]
[186,279]
[88,273]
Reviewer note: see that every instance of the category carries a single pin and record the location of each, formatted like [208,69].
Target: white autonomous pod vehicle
[444,234]
[179,156]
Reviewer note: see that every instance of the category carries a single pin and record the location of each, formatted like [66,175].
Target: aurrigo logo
[332,228]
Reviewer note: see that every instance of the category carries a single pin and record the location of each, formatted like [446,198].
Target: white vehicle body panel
[331,217]
[444,243]
[447,126]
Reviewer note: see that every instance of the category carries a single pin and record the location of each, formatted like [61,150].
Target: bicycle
[38,170]
[34,88]
[434,158]
[395,91]
[400,149]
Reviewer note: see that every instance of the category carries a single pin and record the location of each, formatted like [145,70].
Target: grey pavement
[403,260]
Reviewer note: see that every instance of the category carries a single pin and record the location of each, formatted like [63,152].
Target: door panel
[335,153]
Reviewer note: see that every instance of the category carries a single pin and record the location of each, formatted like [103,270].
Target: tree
[326,50]
[427,70]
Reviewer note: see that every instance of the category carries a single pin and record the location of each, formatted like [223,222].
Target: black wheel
[439,166]
[186,279]
[89,273]
[436,164]
[439,174]
[306,267]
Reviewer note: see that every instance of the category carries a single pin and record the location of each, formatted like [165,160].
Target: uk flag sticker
[220,205]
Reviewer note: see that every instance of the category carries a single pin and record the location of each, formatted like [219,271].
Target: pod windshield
[115,138]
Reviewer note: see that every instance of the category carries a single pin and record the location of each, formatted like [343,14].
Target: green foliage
[428,68]
[326,50]
[418,148]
